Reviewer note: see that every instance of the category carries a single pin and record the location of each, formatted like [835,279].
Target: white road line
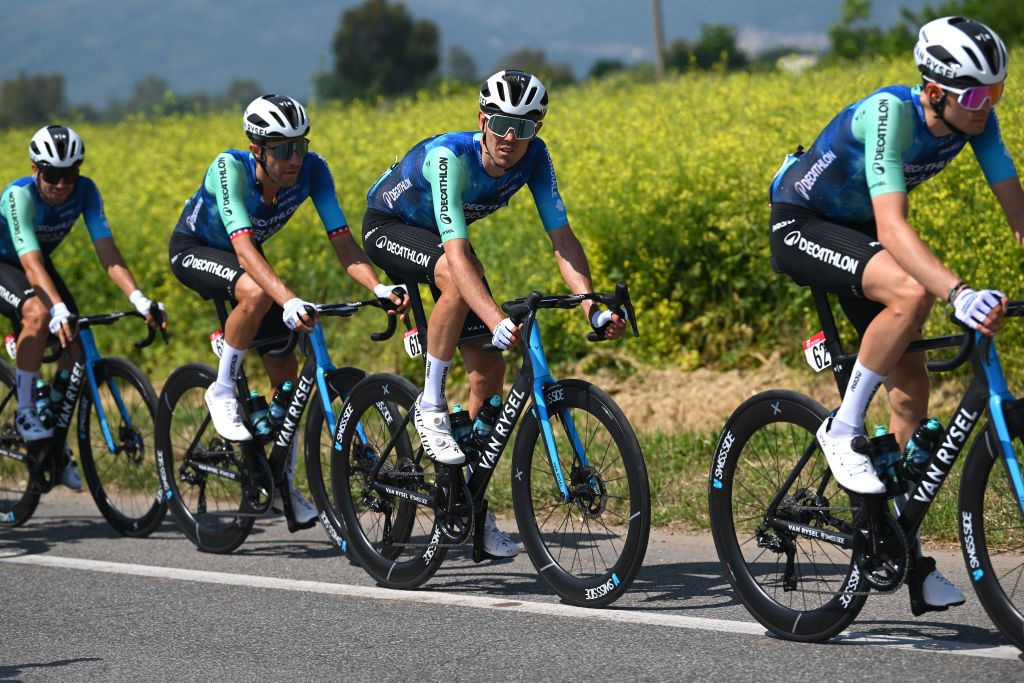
[929,645]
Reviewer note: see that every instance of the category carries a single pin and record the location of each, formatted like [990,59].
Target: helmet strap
[939,107]
[487,151]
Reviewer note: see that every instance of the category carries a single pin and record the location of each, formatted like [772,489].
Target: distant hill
[104,46]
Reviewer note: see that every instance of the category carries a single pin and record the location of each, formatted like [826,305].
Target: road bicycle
[114,448]
[579,482]
[216,488]
[803,554]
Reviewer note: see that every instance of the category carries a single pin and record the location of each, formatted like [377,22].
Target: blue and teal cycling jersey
[441,185]
[230,203]
[27,223]
[878,145]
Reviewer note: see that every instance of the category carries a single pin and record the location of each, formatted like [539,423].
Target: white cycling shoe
[302,510]
[30,427]
[227,416]
[938,591]
[69,476]
[849,461]
[435,434]
[496,542]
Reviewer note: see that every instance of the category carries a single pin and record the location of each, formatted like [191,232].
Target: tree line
[381,50]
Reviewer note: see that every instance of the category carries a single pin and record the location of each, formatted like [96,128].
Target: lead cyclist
[839,222]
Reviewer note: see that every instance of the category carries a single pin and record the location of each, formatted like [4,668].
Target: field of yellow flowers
[666,184]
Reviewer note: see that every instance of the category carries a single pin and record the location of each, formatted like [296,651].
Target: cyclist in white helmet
[839,221]
[415,229]
[36,213]
[216,249]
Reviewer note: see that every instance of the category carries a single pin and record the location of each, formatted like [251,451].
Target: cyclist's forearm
[256,267]
[354,260]
[914,256]
[113,263]
[573,265]
[1010,195]
[472,289]
[40,280]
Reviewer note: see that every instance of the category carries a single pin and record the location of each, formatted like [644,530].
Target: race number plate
[411,339]
[11,342]
[217,342]
[816,354]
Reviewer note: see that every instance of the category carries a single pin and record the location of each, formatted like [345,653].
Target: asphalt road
[80,602]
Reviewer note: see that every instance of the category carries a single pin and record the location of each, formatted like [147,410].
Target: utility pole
[659,41]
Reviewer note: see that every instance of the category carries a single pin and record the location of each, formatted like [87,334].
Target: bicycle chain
[422,475]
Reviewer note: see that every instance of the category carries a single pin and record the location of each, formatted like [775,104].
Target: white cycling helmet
[272,117]
[515,93]
[56,146]
[960,53]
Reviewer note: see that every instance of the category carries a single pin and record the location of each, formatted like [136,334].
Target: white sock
[849,420]
[26,382]
[227,371]
[433,384]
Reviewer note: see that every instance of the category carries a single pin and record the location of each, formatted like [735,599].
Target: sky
[102,47]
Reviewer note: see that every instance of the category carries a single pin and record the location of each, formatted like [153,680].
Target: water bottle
[41,398]
[885,456]
[259,415]
[485,419]
[58,388]
[923,442]
[279,404]
[461,426]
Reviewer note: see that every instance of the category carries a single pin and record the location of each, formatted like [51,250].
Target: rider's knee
[34,314]
[251,297]
[443,274]
[913,301]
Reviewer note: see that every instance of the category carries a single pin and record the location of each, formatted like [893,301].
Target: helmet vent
[530,95]
[502,95]
[974,58]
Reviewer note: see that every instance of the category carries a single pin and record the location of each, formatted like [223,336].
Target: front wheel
[992,535]
[206,479]
[124,482]
[767,469]
[590,547]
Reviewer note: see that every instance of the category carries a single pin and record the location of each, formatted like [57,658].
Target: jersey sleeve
[447,177]
[92,211]
[324,196]
[225,180]
[544,188]
[19,208]
[990,150]
[884,123]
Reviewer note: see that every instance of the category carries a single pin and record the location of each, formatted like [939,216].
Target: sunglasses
[54,174]
[287,150]
[974,99]
[522,129]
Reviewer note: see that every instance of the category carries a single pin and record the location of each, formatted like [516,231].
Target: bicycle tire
[588,549]
[771,432]
[124,484]
[19,498]
[319,447]
[991,535]
[399,545]
[182,419]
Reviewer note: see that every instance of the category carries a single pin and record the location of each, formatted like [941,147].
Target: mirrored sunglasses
[974,99]
[522,129]
[287,150]
[54,174]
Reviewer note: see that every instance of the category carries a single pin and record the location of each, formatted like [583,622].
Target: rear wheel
[18,497]
[393,536]
[801,588]
[206,480]
[125,484]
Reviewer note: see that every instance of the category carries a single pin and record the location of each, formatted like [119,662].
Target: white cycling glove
[142,303]
[294,309]
[971,307]
[383,291]
[503,332]
[59,315]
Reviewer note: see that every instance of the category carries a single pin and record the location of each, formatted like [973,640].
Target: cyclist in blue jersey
[216,250]
[839,221]
[36,213]
[415,229]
